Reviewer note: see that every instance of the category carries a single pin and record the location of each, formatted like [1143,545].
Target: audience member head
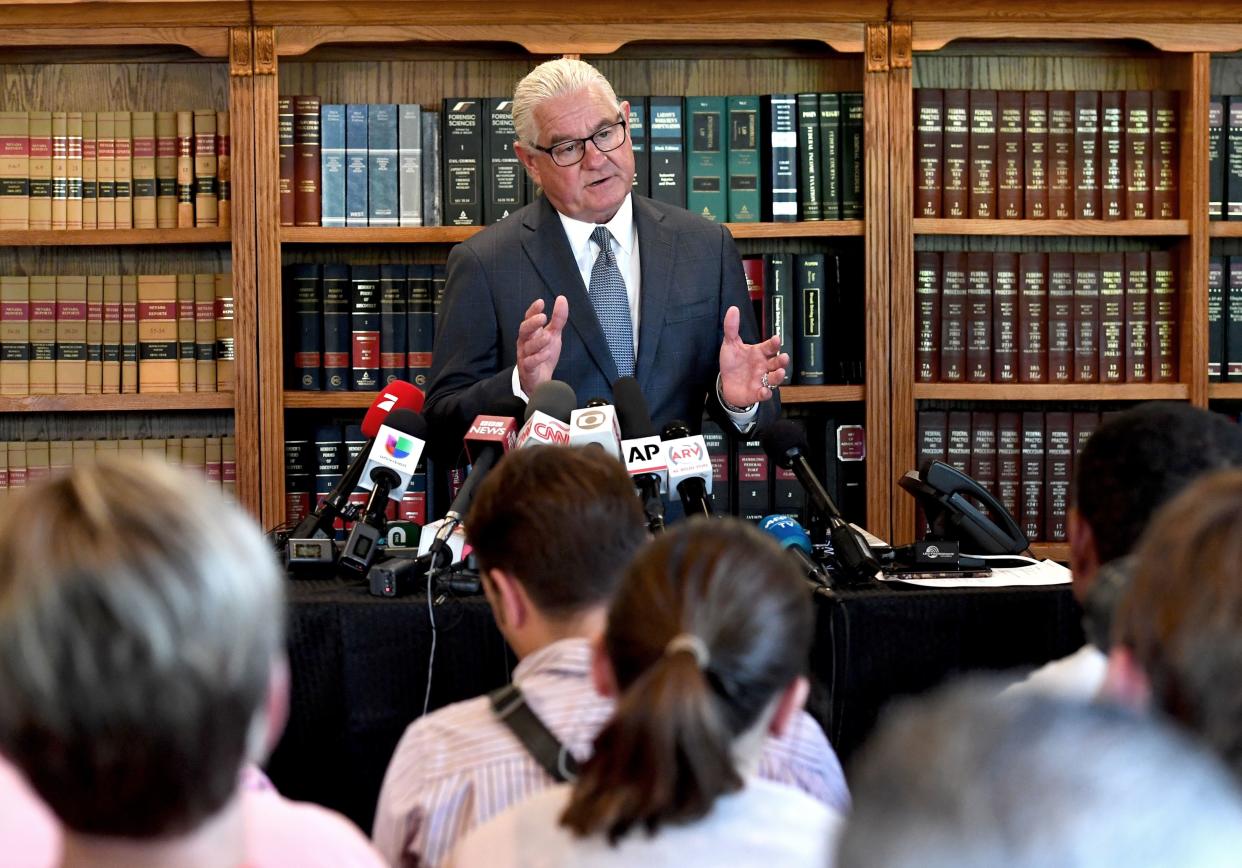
[1135,462]
[1177,632]
[964,779]
[141,649]
[704,645]
[553,527]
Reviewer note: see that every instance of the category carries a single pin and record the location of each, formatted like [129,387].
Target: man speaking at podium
[590,283]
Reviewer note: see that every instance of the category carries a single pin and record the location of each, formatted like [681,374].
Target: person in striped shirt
[553,529]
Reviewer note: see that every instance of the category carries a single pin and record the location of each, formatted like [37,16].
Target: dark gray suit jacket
[691,274]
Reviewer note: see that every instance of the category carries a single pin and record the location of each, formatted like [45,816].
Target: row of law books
[1046,317]
[1225,157]
[114,170]
[1224,305]
[1025,459]
[25,463]
[358,327]
[814,301]
[116,334]
[1010,154]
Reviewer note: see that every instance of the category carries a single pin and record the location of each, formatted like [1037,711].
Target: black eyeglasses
[571,151]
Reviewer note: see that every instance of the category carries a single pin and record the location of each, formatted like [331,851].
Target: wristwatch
[730,407]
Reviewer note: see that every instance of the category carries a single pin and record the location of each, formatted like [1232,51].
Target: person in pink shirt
[141,670]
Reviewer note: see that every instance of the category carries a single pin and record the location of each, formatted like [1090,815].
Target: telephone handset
[946,495]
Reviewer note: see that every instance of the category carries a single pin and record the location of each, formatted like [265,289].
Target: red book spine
[1112,318]
[953,317]
[1083,426]
[929,150]
[1164,154]
[927,316]
[1087,155]
[1059,454]
[1060,154]
[1032,317]
[1010,155]
[979,317]
[284,110]
[1035,158]
[1086,318]
[1138,318]
[1164,319]
[1005,318]
[955,201]
[1138,155]
[307,203]
[1033,475]
[1060,318]
[1112,160]
[983,154]
[983,449]
[1009,462]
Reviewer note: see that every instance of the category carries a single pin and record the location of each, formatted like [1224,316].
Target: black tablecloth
[359,667]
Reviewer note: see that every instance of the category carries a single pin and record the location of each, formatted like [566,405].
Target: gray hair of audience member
[549,79]
[966,779]
[140,618]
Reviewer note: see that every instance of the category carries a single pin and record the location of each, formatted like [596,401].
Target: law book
[420,335]
[1087,166]
[226,355]
[1162,334]
[383,208]
[928,150]
[506,187]
[983,154]
[17,465]
[1164,135]
[336,327]
[187,374]
[1033,470]
[718,452]
[744,162]
[71,335]
[1233,320]
[204,333]
[14,170]
[1058,455]
[332,164]
[1138,317]
[809,291]
[364,324]
[1032,318]
[166,170]
[90,170]
[706,158]
[40,170]
[1035,154]
[463,156]
[1010,155]
[154,449]
[752,268]
[433,186]
[754,495]
[958,440]
[306,158]
[144,171]
[83,453]
[73,169]
[780,157]
[60,456]
[779,305]
[1138,154]
[172,451]
[357,167]
[38,462]
[978,317]
[830,154]
[1060,317]
[788,495]
[955,200]
[299,477]
[284,116]
[1086,318]
[394,329]
[1009,462]
[212,461]
[94,334]
[1005,282]
[60,170]
[931,444]
[1061,132]
[14,336]
[42,335]
[185,172]
[1215,317]
[636,127]
[410,164]
[305,331]
[1112,155]
[1216,156]
[953,301]
[129,334]
[224,171]
[4,470]
[105,170]
[123,168]
[1233,158]
[110,351]
[1112,318]
[926,316]
[983,449]
[810,196]
[158,367]
[852,149]
[1083,424]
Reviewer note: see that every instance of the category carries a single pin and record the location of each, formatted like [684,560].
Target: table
[359,667]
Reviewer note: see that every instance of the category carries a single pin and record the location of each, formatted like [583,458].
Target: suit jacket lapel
[548,248]
[656,252]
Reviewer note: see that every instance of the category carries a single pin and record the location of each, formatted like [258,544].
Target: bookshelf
[372,52]
[130,56]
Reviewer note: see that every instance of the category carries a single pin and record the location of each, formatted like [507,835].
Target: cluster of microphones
[671,462]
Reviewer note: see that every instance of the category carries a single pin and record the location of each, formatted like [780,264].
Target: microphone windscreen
[556,398]
[787,531]
[782,438]
[407,422]
[675,430]
[632,410]
[395,395]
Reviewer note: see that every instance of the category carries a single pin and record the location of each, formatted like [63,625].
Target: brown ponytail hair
[667,753]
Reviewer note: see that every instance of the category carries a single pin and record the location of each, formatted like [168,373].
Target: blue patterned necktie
[612,303]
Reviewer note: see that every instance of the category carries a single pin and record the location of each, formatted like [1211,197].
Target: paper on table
[1046,572]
